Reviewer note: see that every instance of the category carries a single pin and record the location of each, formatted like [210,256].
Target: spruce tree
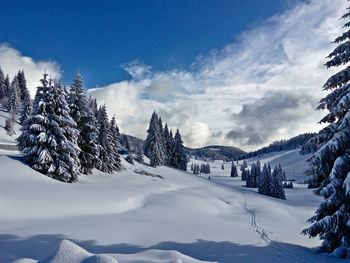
[330,165]
[277,189]
[266,184]
[179,157]
[105,140]
[22,87]
[168,145]
[83,115]
[234,172]
[116,144]
[49,135]
[2,85]
[153,147]
[7,85]
[13,103]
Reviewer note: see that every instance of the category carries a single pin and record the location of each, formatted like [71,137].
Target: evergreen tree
[105,141]
[22,87]
[234,172]
[266,184]
[83,115]
[27,109]
[168,138]
[330,165]
[2,85]
[153,147]
[49,135]
[244,174]
[14,99]
[179,156]
[139,158]
[192,167]
[277,189]
[222,166]
[250,182]
[116,144]
[7,86]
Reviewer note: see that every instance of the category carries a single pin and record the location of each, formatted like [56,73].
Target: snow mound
[69,252]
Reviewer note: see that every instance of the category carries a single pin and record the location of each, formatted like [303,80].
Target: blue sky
[240,72]
[97,37]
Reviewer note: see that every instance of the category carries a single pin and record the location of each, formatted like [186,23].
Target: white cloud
[284,55]
[11,61]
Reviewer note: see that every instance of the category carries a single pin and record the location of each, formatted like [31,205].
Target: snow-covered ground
[133,217]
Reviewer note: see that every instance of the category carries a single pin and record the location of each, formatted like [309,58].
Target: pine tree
[244,174]
[83,115]
[277,190]
[179,157]
[234,172]
[2,85]
[266,184]
[22,87]
[330,165]
[153,147]
[192,167]
[116,144]
[139,158]
[49,135]
[168,145]
[222,166]
[14,99]
[105,140]
[26,106]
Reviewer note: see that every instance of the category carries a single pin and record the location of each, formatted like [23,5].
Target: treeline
[225,153]
[131,143]
[162,148]
[284,145]
[269,182]
[66,133]
[14,96]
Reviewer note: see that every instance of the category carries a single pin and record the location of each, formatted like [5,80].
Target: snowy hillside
[144,208]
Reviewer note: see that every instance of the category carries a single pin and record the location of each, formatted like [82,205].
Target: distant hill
[296,142]
[216,152]
[131,143]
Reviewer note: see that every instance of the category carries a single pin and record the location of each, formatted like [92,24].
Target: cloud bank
[261,88]
[11,61]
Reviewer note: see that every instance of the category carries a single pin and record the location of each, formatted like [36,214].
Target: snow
[157,216]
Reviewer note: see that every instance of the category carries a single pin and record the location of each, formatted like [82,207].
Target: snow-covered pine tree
[244,174]
[13,103]
[22,87]
[266,183]
[192,167]
[49,135]
[2,85]
[330,165]
[153,146]
[139,157]
[105,140]
[116,144]
[83,115]
[7,85]
[163,140]
[168,145]
[250,182]
[277,190]
[26,107]
[179,156]
[234,172]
